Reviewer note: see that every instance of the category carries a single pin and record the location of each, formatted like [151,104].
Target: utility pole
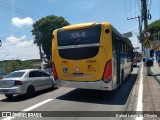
[140,28]
[145,16]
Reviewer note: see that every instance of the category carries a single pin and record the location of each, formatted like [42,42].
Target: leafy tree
[154,28]
[43,30]
[13,65]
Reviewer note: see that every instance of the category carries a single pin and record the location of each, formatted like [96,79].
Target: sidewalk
[151,89]
[156,67]
[150,97]
[156,72]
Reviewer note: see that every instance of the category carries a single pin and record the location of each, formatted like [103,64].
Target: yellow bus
[91,56]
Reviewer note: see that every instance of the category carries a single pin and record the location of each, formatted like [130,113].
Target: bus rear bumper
[99,85]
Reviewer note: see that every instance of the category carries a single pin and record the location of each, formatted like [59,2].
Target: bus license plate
[78,74]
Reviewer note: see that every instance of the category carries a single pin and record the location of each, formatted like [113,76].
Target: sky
[18,16]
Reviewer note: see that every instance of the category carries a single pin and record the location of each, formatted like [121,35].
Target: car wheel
[30,91]
[53,87]
[9,95]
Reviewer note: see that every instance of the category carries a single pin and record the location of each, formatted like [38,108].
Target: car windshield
[15,74]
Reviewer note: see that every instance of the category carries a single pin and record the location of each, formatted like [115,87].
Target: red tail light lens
[54,72]
[108,72]
[18,83]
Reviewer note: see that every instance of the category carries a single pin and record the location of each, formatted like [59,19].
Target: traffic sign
[147,43]
[128,34]
[147,34]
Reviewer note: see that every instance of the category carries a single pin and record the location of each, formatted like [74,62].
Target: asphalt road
[73,102]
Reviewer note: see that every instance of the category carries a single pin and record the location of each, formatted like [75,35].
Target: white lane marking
[140,95]
[31,108]
[37,105]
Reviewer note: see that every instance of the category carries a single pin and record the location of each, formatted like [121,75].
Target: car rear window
[15,74]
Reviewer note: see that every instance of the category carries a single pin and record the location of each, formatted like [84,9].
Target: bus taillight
[108,72]
[54,72]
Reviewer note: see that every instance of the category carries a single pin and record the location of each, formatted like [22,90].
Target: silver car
[26,81]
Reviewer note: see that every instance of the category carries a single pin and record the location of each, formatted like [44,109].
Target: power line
[130,7]
[125,8]
[127,15]
[131,15]
[135,8]
[17,10]
[135,24]
[150,5]
[139,6]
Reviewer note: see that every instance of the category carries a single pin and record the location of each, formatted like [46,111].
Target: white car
[26,81]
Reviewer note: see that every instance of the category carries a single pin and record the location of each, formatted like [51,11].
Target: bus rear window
[82,36]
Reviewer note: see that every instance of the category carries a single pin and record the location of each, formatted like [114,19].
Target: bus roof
[90,24]
[79,26]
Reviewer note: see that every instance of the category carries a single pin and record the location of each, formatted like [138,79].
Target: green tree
[13,65]
[154,29]
[43,30]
